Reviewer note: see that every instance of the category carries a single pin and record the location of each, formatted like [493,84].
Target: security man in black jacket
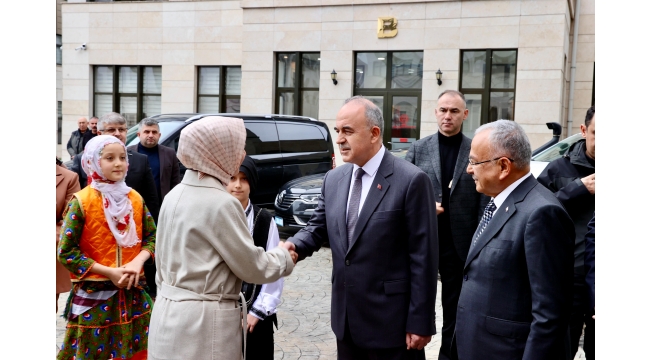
[573,180]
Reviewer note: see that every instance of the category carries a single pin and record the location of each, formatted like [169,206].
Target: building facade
[511,58]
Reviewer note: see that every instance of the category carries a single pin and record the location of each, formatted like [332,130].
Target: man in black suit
[515,302]
[443,156]
[162,159]
[378,214]
[138,176]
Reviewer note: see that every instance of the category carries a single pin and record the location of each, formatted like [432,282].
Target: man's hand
[251,321]
[590,183]
[439,208]
[416,342]
[291,247]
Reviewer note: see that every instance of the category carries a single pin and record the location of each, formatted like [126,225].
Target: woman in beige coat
[204,250]
[67,183]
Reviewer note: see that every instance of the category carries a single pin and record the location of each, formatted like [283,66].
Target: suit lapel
[434,151]
[59,176]
[375,195]
[341,202]
[461,161]
[505,211]
[162,161]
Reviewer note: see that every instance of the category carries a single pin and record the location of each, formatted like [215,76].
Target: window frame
[222,87]
[59,122]
[485,92]
[388,93]
[116,95]
[297,89]
[59,52]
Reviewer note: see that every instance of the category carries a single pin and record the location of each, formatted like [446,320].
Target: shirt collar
[501,198]
[372,165]
[248,208]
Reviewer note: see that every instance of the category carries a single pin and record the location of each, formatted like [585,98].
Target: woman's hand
[134,267]
[252,321]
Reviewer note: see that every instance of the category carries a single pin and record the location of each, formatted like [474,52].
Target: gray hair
[148,122]
[507,138]
[456,93]
[110,118]
[373,112]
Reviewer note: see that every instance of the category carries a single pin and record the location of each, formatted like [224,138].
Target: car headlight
[280,197]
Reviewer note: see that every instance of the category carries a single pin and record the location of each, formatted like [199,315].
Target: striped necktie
[487,216]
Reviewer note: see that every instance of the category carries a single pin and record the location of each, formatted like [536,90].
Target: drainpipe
[574,51]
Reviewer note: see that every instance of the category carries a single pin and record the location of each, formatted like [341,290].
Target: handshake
[291,248]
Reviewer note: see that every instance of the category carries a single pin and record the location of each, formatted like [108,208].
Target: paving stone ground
[304,330]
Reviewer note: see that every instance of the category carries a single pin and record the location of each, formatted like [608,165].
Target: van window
[301,138]
[261,138]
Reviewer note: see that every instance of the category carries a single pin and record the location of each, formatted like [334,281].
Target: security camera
[82,47]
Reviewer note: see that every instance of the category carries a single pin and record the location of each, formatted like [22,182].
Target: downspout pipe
[574,52]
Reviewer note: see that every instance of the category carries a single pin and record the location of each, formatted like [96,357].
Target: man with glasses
[138,177]
[515,301]
[459,207]
[573,180]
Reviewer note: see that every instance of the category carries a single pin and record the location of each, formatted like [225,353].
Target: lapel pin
[379,186]
[506,209]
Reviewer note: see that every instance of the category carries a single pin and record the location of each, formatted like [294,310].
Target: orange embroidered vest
[97,241]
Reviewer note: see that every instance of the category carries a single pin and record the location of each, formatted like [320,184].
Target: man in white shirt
[515,302]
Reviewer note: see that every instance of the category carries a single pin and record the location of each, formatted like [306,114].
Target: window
[297,84]
[487,80]
[58,49]
[393,81]
[216,96]
[133,91]
[59,123]
[296,138]
[261,138]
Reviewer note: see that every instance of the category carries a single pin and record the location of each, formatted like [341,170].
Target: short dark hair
[590,115]
[454,92]
[148,122]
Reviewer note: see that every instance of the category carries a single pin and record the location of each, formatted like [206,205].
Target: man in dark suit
[162,159]
[515,302]
[443,156]
[378,214]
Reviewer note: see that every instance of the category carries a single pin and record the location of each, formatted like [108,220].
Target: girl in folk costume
[261,300]
[106,237]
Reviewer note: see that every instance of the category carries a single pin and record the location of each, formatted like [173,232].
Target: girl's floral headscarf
[214,146]
[117,206]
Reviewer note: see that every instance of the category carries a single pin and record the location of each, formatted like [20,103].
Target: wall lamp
[333,75]
[439,77]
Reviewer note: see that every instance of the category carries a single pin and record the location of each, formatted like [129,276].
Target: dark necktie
[487,216]
[353,207]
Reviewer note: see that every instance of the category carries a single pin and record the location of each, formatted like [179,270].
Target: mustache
[344,147]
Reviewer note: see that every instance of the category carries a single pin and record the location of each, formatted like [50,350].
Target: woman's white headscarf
[214,146]
[117,206]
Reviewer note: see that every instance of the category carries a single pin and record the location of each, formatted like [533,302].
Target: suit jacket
[170,174]
[516,298]
[385,283]
[138,177]
[590,259]
[466,205]
[66,185]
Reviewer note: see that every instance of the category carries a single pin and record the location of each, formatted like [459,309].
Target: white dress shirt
[269,298]
[501,198]
[370,170]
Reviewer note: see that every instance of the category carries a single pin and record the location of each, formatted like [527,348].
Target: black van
[284,147]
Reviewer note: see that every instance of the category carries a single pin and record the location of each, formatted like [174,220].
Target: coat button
[465,277]
[347,262]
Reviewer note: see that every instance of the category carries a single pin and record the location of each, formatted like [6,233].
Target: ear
[466,112]
[505,167]
[375,133]
[137,134]
[583,130]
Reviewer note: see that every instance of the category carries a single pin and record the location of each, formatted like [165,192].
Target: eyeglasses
[483,162]
[112,130]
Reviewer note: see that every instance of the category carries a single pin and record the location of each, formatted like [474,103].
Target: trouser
[451,277]
[259,343]
[581,316]
[348,350]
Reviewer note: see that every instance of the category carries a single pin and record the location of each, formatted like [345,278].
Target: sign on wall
[386,27]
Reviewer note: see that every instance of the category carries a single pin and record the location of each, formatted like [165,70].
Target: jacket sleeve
[149,193]
[69,147]
[566,189]
[314,234]
[69,253]
[422,225]
[549,260]
[76,167]
[410,154]
[590,259]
